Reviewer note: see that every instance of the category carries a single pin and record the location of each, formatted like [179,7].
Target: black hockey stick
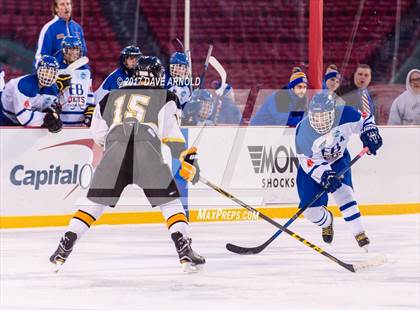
[255,250]
[206,65]
[375,261]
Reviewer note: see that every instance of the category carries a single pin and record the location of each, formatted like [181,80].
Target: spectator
[226,111]
[53,32]
[357,95]
[332,79]
[285,106]
[405,109]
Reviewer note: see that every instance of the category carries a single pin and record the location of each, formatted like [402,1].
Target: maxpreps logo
[274,161]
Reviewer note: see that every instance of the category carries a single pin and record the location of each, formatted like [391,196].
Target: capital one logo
[272,159]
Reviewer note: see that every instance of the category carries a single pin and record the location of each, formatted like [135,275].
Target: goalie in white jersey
[132,122]
[321,145]
[77,100]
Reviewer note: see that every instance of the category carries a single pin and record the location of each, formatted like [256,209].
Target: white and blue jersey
[51,35]
[318,152]
[115,80]
[181,89]
[23,101]
[77,97]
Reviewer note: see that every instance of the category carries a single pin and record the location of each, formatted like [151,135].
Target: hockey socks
[175,217]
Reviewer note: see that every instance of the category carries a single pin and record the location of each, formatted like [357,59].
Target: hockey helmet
[149,70]
[322,112]
[72,48]
[129,51]
[47,71]
[178,65]
[204,103]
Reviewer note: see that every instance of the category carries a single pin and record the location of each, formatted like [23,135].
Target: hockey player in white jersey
[131,123]
[178,79]
[321,145]
[122,75]
[77,101]
[31,100]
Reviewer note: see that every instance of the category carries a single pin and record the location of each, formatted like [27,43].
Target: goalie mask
[178,65]
[72,49]
[322,113]
[47,71]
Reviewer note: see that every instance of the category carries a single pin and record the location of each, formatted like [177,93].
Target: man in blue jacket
[285,107]
[53,32]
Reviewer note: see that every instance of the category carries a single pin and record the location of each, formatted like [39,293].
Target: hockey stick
[77,64]
[356,267]
[255,250]
[206,65]
[222,72]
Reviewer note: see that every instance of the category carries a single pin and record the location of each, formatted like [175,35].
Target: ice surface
[136,267]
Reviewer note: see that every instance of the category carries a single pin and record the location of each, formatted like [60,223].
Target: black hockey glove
[330,181]
[371,138]
[52,119]
[63,81]
[190,170]
[88,114]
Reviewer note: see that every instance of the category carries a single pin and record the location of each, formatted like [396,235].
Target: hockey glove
[330,181]
[371,138]
[190,170]
[52,119]
[88,114]
[63,81]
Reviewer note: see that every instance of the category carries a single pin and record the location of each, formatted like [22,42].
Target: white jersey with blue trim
[77,97]
[182,92]
[114,80]
[23,100]
[317,152]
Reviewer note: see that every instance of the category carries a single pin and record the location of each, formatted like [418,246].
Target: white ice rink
[135,267]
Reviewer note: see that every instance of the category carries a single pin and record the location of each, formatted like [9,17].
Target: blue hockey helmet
[204,103]
[322,112]
[178,58]
[72,48]
[178,65]
[129,51]
[47,71]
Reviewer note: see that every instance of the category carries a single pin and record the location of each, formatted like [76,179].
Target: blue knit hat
[297,77]
[332,74]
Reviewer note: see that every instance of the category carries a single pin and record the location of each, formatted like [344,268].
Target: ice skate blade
[57,266]
[188,267]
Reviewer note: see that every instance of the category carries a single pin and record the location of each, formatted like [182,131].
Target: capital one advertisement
[48,174]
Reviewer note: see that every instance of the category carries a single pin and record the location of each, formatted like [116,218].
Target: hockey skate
[328,232]
[189,259]
[64,249]
[362,240]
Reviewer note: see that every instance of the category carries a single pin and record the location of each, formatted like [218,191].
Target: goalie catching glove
[190,170]
[371,138]
[63,81]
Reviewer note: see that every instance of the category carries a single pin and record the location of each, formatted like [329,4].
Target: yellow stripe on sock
[179,217]
[84,217]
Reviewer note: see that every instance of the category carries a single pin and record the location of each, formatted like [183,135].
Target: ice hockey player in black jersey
[131,123]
